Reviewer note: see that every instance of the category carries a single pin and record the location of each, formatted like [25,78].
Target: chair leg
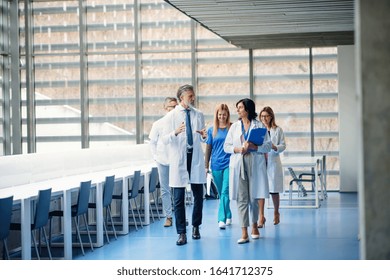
[156,205]
[112,222]
[50,230]
[47,243]
[35,244]
[150,209]
[105,230]
[139,214]
[89,234]
[132,212]
[6,252]
[40,241]
[151,212]
[141,202]
[143,208]
[76,221]
[302,189]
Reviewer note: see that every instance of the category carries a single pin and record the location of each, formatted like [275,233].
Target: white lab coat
[259,177]
[274,166]
[157,147]
[177,148]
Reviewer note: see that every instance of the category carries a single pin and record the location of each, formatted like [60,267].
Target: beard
[188,104]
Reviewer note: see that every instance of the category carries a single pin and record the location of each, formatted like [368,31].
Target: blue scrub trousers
[221,180]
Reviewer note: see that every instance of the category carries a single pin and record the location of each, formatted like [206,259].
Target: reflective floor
[327,233]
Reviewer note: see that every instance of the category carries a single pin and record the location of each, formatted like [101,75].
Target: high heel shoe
[276,219]
[255,233]
[261,223]
[243,240]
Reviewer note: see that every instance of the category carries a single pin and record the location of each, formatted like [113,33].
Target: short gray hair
[169,100]
[183,89]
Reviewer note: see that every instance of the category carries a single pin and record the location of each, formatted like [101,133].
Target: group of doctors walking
[241,170]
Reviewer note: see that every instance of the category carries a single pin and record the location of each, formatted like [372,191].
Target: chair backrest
[108,190]
[153,179]
[5,216]
[292,173]
[42,209]
[135,184]
[83,198]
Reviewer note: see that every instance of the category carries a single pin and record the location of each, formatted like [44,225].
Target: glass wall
[303,94]
[56,52]
[325,110]
[223,73]
[166,56]
[4,72]
[111,72]
[101,70]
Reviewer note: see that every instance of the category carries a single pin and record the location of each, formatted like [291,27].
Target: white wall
[348,119]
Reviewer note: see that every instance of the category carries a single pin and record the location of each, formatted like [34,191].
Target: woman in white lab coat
[248,180]
[274,164]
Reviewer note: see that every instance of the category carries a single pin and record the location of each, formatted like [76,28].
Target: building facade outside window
[101,74]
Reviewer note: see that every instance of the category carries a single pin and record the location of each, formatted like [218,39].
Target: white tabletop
[300,161]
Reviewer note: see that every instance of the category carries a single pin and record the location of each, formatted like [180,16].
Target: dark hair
[183,89]
[249,106]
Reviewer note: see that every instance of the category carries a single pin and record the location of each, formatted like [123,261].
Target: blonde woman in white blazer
[274,164]
[248,180]
[186,159]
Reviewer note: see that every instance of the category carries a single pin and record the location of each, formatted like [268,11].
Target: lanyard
[245,134]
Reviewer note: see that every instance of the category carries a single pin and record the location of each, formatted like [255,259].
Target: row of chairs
[43,215]
[40,220]
[137,192]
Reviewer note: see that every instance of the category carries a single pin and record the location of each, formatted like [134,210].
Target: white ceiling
[260,24]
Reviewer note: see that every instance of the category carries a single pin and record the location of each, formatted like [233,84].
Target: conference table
[316,164]
[64,186]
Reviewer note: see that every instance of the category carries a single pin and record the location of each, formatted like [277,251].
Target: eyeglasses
[265,116]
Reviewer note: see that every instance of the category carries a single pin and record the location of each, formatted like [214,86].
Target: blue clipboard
[256,136]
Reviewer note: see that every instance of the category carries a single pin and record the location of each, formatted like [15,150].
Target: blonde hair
[220,107]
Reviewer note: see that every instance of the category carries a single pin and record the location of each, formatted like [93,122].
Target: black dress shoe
[182,239]
[195,233]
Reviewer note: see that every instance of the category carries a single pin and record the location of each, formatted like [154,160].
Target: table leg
[316,185]
[26,228]
[99,214]
[146,198]
[125,205]
[67,224]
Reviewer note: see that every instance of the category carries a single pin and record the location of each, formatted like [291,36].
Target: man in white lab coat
[186,159]
[160,155]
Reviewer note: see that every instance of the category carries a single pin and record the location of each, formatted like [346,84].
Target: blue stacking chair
[108,191]
[5,222]
[153,181]
[79,209]
[41,218]
[132,195]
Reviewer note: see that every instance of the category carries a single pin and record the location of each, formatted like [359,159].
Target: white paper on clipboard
[208,183]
